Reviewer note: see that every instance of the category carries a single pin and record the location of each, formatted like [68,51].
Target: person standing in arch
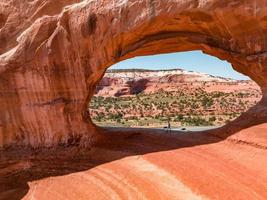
[169,125]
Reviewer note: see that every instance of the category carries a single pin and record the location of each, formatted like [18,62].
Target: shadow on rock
[20,166]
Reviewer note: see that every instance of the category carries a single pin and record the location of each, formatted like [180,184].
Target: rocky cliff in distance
[149,98]
[53,53]
[116,83]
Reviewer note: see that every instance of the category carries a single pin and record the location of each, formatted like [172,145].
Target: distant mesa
[123,82]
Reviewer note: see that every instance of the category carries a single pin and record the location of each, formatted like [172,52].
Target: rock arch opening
[188,90]
[48,75]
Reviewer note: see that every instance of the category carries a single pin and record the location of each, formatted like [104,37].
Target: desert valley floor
[142,164]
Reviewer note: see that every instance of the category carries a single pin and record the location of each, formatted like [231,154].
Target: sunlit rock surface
[53,53]
[142,164]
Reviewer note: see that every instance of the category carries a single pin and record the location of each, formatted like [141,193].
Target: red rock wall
[52,57]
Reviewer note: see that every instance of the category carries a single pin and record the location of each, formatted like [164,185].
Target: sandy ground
[142,164]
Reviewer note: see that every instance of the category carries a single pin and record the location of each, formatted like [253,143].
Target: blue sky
[191,61]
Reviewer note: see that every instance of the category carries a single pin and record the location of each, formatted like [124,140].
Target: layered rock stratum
[53,53]
[123,82]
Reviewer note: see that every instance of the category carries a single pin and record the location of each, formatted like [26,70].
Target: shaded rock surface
[54,53]
[142,164]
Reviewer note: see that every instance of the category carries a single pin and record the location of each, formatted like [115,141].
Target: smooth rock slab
[54,53]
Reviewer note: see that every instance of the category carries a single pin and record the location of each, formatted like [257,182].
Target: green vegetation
[187,108]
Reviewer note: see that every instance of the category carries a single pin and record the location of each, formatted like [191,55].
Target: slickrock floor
[142,165]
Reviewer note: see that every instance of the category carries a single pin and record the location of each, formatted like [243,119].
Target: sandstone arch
[48,75]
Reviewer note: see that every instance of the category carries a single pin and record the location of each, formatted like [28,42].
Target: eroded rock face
[53,53]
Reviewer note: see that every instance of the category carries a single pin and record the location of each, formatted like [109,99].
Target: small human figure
[169,126]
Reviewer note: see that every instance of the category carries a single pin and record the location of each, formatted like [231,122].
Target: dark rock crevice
[53,102]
